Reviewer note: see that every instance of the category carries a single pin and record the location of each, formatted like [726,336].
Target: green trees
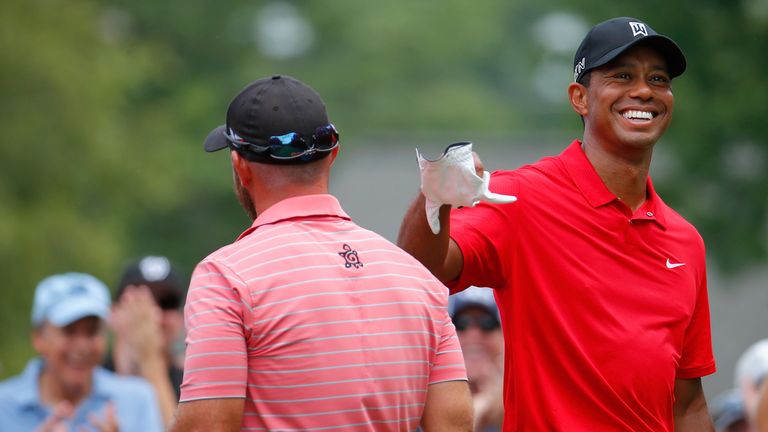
[105,105]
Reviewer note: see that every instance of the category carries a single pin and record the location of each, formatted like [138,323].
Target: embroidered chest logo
[350,257]
[671,265]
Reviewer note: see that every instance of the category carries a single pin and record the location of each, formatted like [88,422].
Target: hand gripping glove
[451,179]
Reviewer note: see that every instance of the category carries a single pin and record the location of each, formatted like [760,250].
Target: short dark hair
[586,78]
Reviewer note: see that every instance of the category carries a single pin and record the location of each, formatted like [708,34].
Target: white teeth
[634,114]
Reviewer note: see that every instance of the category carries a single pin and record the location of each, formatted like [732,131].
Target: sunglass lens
[287,146]
[489,323]
[486,323]
[461,323]
[326,137]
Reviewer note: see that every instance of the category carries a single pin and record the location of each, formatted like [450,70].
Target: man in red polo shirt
[601,286]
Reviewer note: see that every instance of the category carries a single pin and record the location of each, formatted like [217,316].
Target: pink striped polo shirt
[319,324]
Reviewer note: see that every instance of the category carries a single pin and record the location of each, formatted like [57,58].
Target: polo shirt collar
[302,206]
[27,392]
[655,205]
[100,388]
[584,175]
[596,192]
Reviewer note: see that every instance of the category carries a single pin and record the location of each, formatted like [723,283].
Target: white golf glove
[451,179]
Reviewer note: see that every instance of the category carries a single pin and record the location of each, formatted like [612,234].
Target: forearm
[761,414]
[155,371]
[416,238]
[700,422]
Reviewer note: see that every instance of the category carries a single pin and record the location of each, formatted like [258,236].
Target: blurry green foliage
[105,103]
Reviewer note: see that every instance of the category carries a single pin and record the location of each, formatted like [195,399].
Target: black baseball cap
[268,107]
[611,38]
[160,275]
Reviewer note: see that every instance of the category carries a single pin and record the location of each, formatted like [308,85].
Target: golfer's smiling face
[629,101]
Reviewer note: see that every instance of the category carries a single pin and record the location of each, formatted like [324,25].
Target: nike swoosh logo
[671,265]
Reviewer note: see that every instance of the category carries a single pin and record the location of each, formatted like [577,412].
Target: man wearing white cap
[751,379]
[65,389]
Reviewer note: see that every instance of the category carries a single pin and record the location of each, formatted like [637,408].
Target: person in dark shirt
[147,322]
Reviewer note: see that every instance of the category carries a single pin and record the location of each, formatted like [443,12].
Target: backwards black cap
[160,275]
[611,38]
[268,107]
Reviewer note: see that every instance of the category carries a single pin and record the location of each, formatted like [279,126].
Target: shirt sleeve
[697,359]
[449,361]
[215,364]
[486,236]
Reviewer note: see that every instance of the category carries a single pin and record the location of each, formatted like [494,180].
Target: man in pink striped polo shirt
[308,321]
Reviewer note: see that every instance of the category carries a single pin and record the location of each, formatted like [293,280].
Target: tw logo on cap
[638,29]
[579,67]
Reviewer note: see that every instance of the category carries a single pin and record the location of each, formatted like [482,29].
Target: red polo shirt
[602,308]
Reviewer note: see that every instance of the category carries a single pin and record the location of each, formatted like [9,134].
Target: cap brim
[216,140]
[68,312]
[676,62]
[460,309]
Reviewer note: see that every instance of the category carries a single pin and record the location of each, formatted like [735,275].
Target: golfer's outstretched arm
[437,252]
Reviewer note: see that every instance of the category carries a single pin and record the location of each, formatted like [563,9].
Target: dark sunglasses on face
[486,323]
[290,145]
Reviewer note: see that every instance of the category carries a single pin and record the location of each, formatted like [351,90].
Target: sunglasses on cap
[290,145]
[486,323]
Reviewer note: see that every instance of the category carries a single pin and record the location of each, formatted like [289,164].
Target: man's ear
[38,339]
[242,168]
[334,154]
[577,95]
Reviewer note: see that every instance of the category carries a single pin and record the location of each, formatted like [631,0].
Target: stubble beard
[245,198]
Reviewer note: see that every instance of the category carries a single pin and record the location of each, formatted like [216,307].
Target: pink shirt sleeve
[215,364]
[449,361]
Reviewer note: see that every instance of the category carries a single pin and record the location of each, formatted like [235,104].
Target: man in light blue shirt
[65,389]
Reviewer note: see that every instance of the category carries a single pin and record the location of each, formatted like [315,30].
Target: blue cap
[65,298]
[473,297]
[727,409]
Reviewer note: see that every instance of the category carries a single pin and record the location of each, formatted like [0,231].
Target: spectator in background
[65,389]
[728,412]
[147,322]
[751,374]
[761,411]
[476,318]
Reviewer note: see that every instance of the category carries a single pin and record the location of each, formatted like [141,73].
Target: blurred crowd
[744,408]
[112,365]
[102,365]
